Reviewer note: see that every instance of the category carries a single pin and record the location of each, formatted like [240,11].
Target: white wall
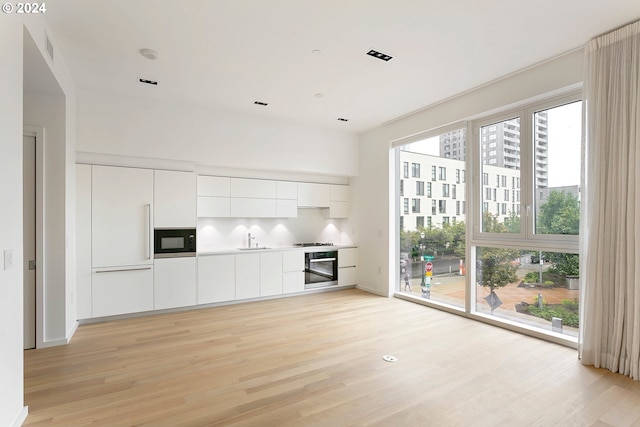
[11,364]
[50,103]
[203,135]
[48,110]
[373,190]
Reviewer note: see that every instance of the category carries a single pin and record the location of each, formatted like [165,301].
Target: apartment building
[433,191]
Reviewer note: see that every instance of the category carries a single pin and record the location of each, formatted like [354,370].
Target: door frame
[39,133]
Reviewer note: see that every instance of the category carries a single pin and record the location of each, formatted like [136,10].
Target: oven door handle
[322,259]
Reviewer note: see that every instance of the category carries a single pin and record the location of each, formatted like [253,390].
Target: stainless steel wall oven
[320,269]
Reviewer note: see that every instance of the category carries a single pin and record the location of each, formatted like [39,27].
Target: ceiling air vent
[264,104]
[149,82]
[49,46]
[379,55]
[341,119]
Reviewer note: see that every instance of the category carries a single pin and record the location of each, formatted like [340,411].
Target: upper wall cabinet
[253,188]
[339,203]
[175,199]
[311,195]
[214,196]
[214,186]
[246,198]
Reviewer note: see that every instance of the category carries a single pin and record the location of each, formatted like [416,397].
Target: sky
[564,136]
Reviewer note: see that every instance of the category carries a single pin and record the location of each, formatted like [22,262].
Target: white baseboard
[72,331]
[22,416]
[373,291]
[62,341]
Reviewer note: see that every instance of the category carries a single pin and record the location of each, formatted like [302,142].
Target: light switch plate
[8,259]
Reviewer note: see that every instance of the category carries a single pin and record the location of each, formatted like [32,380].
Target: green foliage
[496,269]
[564,264]
[450,239]
[559,214]
[491,223]
[568,312]
[549,278]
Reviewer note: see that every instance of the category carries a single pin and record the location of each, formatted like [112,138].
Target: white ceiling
[230,53]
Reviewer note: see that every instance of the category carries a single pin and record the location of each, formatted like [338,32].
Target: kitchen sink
[255,248]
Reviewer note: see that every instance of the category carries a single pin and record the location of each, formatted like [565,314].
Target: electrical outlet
[8,259]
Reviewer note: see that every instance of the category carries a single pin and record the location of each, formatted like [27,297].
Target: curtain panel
[610,235]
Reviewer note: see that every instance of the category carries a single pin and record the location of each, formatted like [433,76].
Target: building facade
[433,191]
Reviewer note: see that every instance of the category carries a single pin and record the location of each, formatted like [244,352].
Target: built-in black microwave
[174,242]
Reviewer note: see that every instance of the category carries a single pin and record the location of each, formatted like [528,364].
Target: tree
[496,268]
[560,214]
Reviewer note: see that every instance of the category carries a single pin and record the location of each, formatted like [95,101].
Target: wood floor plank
[316,360]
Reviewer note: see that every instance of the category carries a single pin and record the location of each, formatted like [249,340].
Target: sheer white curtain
[610,261]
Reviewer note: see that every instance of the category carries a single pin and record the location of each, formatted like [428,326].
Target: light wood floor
[316,360]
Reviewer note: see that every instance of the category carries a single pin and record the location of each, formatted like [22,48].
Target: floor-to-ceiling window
[432,233]
[525,243]
[520,216]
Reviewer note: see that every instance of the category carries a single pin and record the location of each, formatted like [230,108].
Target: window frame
[526,238]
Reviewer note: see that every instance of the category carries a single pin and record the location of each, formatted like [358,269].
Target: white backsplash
[310,226]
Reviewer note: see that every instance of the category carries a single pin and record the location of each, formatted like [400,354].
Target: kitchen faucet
[249,239]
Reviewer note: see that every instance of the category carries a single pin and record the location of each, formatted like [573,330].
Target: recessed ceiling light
[316,51]
[318,95]
[341,119]
[264,104]
[379,55]
[149,82]
[149,53]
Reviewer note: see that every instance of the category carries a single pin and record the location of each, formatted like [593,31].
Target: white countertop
[235,251]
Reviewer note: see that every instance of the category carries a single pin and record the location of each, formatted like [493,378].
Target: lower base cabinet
[347,276]
[292,272]
[247,276]
[216,278]
[270,274]
[174,282]
[122,290]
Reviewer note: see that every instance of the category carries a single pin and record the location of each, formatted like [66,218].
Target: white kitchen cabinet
[121,216]
[338,210]
[214,186]
[214,207]
[347,266]
[348,276]
[292,271]
[270,273]
[286,208]
[174,199]
[339,202]
[287,190]
[121,290]
[83,241]
[339,193]
[253,208]
[216,278]
[347,257]
[174,282]
[253,188]
[287,199]
[247,276]
[312,195]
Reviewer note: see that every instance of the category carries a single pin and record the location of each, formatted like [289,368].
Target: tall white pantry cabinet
[120,233]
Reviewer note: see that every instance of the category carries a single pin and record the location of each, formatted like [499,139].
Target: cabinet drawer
[122,291]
